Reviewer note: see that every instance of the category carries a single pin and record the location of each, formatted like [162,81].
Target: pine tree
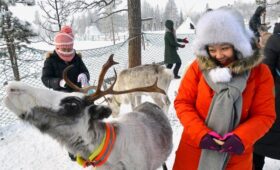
[56,14]
[171,12]
[181,19]
[12,33]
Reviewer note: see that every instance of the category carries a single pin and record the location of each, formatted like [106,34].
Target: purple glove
[232,144]
[182,46]
[185,40]
[207,142]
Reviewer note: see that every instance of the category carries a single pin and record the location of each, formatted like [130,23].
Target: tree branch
[109,14]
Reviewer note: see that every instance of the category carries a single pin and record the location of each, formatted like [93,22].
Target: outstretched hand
[185,40]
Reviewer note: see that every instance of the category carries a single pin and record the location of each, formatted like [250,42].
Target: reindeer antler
[74,86]
[99,93]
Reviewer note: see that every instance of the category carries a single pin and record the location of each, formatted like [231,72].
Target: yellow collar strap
[100,155]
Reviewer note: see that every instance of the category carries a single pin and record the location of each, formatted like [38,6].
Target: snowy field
[23,147]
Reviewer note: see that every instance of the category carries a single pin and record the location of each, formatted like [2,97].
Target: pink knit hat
[64,38]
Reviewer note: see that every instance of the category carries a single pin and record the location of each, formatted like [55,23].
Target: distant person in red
[171,46]
[63,56]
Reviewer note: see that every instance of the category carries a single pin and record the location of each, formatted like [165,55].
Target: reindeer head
[48,110]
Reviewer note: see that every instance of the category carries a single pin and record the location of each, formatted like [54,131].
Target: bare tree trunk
[264,15]
[134,28]
[10,44]
[113,28]
[13,59]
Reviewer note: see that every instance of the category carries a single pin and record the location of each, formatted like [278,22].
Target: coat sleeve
[171,41]
[179,40]
[271,57]
[48,76]
[185,102]
[261,112]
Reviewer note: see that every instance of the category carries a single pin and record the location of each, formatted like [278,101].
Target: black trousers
[258,161]
[176,69]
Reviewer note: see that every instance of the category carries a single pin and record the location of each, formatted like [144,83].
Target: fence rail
[31,61]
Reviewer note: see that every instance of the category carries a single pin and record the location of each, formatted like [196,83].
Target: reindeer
[140,140]
[138,77]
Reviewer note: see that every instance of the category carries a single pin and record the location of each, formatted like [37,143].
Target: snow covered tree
[157,19]
[12,33]
[134,23]
[147,12]
[171,12]
[56,14]
[181,19]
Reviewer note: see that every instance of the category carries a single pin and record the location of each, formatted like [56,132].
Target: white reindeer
[140,140]
[141,76]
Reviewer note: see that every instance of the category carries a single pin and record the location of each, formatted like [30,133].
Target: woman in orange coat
[225,101]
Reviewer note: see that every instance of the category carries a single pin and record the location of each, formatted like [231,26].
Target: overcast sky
[195,5]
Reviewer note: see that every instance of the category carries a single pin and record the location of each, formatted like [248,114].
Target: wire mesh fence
[30,62]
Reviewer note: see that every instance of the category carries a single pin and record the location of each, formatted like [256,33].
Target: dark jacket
[255,21]
[170,52]
[53,70]
[269,145]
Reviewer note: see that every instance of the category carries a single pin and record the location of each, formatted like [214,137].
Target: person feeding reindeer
[63,56]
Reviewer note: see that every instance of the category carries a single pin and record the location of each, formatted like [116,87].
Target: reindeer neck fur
[79,128]
[80,138]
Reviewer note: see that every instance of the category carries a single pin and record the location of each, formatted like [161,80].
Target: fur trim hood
[224,25]
[224,74]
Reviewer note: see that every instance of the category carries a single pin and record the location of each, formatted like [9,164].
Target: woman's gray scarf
[223,116]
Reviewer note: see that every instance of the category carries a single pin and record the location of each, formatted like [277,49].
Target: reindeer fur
[141,76]
[143,137]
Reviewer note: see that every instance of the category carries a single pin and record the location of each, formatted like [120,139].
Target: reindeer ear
[99,111]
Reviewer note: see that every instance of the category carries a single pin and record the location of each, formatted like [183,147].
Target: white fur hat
[224,25]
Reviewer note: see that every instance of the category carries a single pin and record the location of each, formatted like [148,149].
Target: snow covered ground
[23,147]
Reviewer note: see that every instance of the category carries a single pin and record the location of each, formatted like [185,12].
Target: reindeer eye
[71,106]
[22,116]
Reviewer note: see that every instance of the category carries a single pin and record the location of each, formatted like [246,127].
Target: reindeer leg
[164,167]
[138,100]
[160,100]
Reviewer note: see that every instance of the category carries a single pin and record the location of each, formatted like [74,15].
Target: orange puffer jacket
[192,104]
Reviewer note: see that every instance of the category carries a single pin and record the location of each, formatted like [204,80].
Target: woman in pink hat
[63,56]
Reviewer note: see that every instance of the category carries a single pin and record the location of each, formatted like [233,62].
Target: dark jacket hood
[169,24]
[237,67]
[276,29]
[259,10]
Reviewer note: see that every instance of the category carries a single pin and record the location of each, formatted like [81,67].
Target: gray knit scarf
[223,116]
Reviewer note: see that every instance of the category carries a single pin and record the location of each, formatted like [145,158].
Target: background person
[269,144]
[63,56]
[255,20]
[171,46]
